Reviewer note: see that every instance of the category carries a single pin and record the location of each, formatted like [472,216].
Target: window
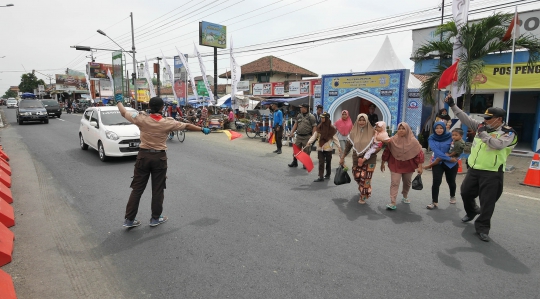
[87,115]
[264,78]
[94,117]
[480,102]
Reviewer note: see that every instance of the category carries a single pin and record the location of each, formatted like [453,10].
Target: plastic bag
[342,177]
[417,182]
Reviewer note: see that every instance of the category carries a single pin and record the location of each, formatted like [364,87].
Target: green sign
[201,89]
[118,78]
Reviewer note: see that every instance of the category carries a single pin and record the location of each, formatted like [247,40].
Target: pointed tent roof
[271,64]
[387,59]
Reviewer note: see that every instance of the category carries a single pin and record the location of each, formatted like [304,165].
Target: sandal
[405,201]
[361,201]
[452,200]
[390,207]
[431,206]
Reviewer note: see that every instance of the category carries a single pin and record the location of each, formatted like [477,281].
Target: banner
[170,73]
[460,11]
[498,77]
[179,80]
[98,70]
[105,88]
[299,88]
[149,78]
[242,86]
[203,73]
[70,82]
[142,90]
[201,89]
[236,72]
[118,76]
[212,35]
[191,79]
[361,81]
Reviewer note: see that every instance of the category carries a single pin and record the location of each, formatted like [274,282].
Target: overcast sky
[38,34]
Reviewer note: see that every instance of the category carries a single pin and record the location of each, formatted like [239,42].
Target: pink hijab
[344,127]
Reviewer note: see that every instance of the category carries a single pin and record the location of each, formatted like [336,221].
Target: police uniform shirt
[305,124]
[154,133]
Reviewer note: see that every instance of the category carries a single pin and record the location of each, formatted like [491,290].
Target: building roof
[271,64]
[422,78]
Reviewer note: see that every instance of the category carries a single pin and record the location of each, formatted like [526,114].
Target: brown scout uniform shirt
[153,133]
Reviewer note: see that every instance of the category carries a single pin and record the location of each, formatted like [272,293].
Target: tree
[29,82]
[478,39]
[10,94]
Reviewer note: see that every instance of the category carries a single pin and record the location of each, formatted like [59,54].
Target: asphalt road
[244,225]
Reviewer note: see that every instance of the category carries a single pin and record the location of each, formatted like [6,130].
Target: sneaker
[327,176]
[391,207]
[452,200]
[405,201]
[160,220]
[131,223]
[278,152]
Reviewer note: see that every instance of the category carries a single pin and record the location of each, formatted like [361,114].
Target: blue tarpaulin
[291,101]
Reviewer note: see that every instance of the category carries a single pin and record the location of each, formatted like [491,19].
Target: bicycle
[253,129]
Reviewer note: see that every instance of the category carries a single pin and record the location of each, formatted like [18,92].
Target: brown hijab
[326,130]
[361,138]
[404,148]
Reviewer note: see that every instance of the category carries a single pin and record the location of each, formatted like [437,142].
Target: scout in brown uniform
[152,158]
[305,126]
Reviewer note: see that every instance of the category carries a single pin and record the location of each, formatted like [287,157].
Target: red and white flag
[449,75]
[513,29]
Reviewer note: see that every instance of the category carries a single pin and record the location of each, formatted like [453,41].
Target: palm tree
[478,39]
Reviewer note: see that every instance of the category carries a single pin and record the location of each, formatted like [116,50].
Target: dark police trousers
[279,136]
[488,187]
[148,163]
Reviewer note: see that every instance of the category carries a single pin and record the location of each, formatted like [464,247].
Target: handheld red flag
[303,157]
[449,75]
[232,134]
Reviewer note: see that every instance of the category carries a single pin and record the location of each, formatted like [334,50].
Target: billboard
[498,77]
[70,82]
[117,72]
[242,86]
[268,89]
[302,88]
[212,35]
[143,91]
[180,80]
[201,89]
[98,70]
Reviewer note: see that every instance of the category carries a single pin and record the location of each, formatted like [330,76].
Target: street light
[7,5]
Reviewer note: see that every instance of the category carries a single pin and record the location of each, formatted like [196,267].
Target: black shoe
[467,218]
[304,167]
[293,164]
[278,151]
[320,179]
[483,237]
[327,176]
[275,151]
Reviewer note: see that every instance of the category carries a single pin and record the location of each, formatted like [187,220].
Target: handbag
[417,182]
[342,177]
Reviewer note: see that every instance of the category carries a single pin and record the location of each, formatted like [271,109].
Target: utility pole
[156,70]
[215,75]
[134,75]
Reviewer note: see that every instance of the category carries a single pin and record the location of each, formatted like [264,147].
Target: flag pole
[515,20]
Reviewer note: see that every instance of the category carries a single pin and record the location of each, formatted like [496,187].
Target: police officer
[492,145]
[305,126]
[152,158]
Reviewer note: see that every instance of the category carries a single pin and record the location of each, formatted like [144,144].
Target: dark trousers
[279,136]
[147,164]
[325,157]
[488,186]
[450,175]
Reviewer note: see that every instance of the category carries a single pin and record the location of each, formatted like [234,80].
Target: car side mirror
[93,124]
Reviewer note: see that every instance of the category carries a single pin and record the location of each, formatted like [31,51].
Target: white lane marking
[60,119]
[522,196]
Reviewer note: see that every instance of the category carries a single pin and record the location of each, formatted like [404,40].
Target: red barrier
[4,155]
[5,179]
[5,193]
[7,289]
[5,167]
[7,217]
[6,245]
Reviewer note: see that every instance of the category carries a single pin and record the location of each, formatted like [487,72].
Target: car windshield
[12,101]
[113,118]
[31,104]
[50,102]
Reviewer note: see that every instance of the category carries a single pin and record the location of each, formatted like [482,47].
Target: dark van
[53,108]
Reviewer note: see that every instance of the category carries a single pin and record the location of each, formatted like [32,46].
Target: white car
[11,103]
[107,131]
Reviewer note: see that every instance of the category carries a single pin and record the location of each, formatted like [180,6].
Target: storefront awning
[291,101]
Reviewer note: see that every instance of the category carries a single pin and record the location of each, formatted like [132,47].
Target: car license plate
[133,144]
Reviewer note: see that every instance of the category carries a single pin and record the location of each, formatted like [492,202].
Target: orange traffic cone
[532,178]
[460,167]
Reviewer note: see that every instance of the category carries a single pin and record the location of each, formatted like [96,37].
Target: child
[456,147]
[379,137]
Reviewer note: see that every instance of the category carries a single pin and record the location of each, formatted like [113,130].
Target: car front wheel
[83,145]
[102,156]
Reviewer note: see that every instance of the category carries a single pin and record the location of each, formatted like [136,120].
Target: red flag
[231,134]
[449,75]
[271,138]
[303,157]
[510,32]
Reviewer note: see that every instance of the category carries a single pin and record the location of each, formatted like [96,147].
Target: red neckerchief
[156,117]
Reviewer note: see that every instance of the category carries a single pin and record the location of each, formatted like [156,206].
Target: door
[85,124]
[93,132]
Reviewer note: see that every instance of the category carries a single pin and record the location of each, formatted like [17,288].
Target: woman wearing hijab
[404,155]
[360,140]
[440,142]
[343,126]
[326,133]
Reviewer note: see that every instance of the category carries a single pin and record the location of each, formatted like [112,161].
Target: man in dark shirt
[373,117]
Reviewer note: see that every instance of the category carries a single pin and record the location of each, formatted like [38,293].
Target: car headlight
[27,113]
[111,135]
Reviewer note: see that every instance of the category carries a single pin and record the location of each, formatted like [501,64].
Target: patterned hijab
[404,148]
[344,126]
[361,138]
